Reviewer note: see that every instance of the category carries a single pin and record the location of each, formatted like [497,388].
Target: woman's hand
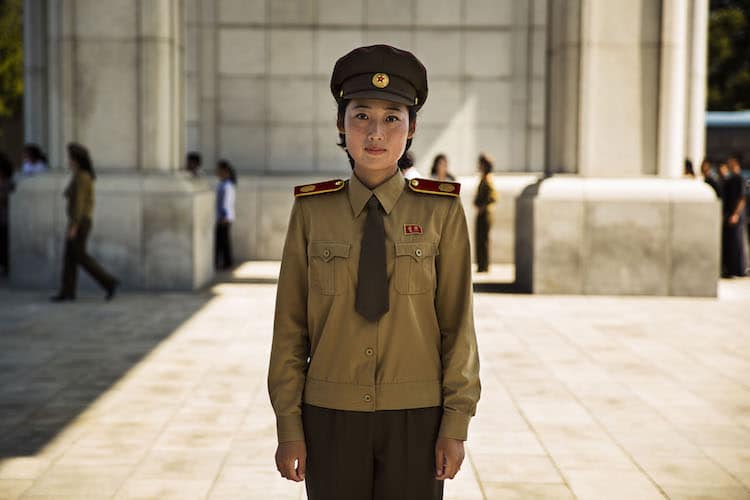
[734,219]
[286,455]
[449,455]
[72,232]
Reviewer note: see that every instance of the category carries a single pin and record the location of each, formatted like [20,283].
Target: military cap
[380,72]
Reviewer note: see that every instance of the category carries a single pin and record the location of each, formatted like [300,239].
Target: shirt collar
[387,193]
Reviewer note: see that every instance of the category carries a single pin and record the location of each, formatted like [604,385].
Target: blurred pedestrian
[484,201]
[193,163]
[709,177]
[439,169]
[406,164]
[225,197]
[734,256]
[34,160]
[80,211]
[688,171]
[6,187]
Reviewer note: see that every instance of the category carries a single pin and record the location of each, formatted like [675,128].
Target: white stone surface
[332,44]
[243,100]
[291,101]
[291,12]
[242,11]
[489,12]
[341,13]
[242,51]
[441,52]
[389,12]
[244,145]
[291,52]
[487,54]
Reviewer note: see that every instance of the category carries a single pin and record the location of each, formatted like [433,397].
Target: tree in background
[11,57]
[729,55]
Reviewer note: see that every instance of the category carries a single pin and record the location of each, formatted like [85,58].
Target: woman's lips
[375,151]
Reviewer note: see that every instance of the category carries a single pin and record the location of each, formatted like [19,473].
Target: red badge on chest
[412,229]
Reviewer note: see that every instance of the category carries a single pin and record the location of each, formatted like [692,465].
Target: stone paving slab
[163,396]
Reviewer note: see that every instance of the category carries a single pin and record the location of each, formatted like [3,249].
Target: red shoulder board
[318,188]
[431,186]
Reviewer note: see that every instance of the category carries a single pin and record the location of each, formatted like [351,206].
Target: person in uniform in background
[406,164]
[687,171]
[734,261]
[225,196]
[374,371]
[439,170]
[709,177]
[484,201]
[193,163]
[80,210]
[34,160]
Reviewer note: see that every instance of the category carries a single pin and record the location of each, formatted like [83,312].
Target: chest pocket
[328,266]
[415,267]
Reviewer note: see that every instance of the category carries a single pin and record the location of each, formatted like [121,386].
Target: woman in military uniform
[484,201]
[374,373]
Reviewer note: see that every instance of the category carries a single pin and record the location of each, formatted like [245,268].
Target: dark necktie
[372,281]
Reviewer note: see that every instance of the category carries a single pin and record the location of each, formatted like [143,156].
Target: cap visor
[380,94]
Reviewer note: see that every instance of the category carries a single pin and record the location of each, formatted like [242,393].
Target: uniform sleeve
[81,192]
[453,303]
[290,347]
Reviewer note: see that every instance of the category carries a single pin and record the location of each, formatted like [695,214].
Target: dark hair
[435,161]
[225,165]
[79,154]
[406,161]
[485,161]
[194,156]
[6,166]
[689,167]
[736,157]
[342,104]
[34,151]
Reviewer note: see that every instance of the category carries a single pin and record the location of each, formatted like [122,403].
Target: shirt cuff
[454,425]
[289,428]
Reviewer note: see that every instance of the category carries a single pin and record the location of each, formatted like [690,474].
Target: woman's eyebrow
[361,106]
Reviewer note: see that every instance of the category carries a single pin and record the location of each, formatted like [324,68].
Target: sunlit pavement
[164,396]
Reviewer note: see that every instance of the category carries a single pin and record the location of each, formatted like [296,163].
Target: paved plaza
[163,396]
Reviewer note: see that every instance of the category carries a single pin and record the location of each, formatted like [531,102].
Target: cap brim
[380,94]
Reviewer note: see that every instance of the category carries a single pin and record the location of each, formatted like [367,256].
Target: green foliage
[729,55]
[11,56]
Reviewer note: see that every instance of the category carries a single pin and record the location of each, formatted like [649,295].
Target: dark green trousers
[76,255]
[382,455]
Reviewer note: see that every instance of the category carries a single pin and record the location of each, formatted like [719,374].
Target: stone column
[695,132]
[672,88]
[616,106]
[115,79]
[35,93]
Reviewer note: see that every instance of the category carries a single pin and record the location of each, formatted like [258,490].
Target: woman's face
[442,167]
[376,132]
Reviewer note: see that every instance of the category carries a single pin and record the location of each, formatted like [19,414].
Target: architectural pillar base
[153,231]
[636,236]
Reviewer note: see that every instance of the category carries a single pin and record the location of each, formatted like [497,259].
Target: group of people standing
[484,200]
[729,185]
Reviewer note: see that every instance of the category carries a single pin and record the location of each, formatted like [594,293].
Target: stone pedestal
[152,231]
[645,236]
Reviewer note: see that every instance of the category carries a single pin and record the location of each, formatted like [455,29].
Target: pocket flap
[327,250]
[417,250]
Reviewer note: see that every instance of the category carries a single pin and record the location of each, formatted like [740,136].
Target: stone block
[325,105]
[291,148]
[242,51]
[440,52]
[291,52]
[389,12]
[245,230]
[494,96]
[444,103]
[291,101]
[489,12]
[438,12]
[291,12]
[243,145]
[403,39]
[111,20]
[106,65]
[330,45]
[341,13]
[488,54]
[242,11]
[329,157]
[497,142]
[243,100]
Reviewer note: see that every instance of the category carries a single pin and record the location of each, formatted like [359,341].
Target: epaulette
[318,188]
[431,186]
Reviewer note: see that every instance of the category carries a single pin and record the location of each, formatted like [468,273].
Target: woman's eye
[361,116]
[392,118]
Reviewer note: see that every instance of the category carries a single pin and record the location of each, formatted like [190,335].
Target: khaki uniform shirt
[421,353]
[80,194]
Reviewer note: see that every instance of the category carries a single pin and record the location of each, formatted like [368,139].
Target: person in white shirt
[34,160]
[225,196]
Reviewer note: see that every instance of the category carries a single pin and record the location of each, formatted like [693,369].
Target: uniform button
[369,351]
[367,398]
[326,253]
[419,252]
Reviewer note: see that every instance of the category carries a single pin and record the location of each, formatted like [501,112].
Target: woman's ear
[412,128]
